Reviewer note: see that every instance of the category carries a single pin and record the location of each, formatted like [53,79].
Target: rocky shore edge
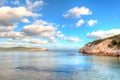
[103,47]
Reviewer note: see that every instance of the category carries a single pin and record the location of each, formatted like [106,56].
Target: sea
[57,65]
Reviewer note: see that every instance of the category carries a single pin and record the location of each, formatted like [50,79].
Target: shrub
[97,41]
[118,44]
[114,42]
[109,45]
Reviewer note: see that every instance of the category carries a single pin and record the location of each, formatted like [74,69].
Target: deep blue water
[57,65]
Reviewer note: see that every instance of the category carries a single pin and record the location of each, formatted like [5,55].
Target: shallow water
[57,65]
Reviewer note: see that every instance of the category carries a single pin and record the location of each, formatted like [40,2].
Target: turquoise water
[57,65]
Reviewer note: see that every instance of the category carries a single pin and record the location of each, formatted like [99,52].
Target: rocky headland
[103,47]
[22,49]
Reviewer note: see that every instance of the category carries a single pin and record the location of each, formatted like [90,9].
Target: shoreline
[114,54]
[22,49]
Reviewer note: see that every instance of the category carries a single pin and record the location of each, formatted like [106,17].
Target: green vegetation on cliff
[114,43]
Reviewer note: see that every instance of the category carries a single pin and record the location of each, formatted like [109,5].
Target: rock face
[103,47]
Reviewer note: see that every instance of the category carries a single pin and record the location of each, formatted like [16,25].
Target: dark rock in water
[71,54]
[31,68]
[27,68]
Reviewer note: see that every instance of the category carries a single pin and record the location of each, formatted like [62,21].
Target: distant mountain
[103,47]
[22,49]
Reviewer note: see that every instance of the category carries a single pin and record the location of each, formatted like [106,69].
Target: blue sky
[57,23]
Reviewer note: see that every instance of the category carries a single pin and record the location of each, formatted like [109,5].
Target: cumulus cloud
[6,28]
[11,35]
[77,12]
[79,23]
[103,34]
[25,20]
[40,32]
[92,22]
[40,22]
[39,28]
[19,36]
[36,41]
[33,5]
[14,43]
[60,35]
[73,39]
[42,29]
[52,39]
[12,15]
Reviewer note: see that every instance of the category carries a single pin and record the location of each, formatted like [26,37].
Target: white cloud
[16,2]
[79,23]
[40,32]
[73,39]
[11,35]
[13,43]
[41,22]
[6,28]
[36,41]
[12,15]
[77,12]
[33,5]
[19,36]
[67,38]
[103,34]
[48,33]
[52,39]
[40,28]
[92,22]
[25,20]
[59,34]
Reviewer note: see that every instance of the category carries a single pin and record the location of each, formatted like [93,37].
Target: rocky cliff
[104,47]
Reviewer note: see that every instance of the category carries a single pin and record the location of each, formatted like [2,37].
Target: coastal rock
[104,47]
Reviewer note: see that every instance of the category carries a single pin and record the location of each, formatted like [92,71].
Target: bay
[57,65]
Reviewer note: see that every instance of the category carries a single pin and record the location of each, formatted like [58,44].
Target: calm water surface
[51,65]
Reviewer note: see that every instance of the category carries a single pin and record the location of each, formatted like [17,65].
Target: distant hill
[22,49]
[103,47]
